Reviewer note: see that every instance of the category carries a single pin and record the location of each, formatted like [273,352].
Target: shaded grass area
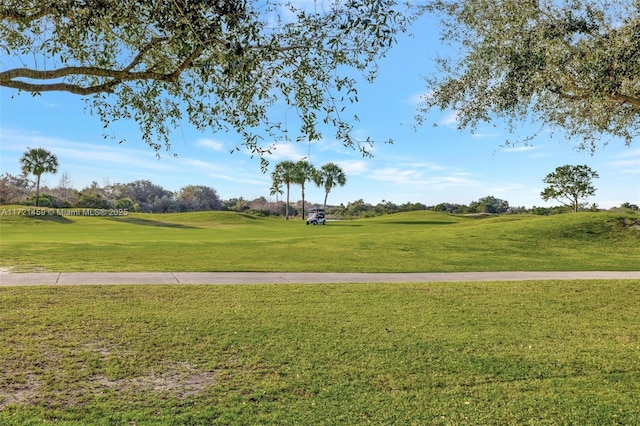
[541,352]
[408,242]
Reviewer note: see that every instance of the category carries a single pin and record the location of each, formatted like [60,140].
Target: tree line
[145,196]
[568,184]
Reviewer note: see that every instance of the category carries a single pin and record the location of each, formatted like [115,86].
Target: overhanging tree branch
[220,64]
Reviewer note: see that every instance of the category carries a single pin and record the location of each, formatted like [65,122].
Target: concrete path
[105,278]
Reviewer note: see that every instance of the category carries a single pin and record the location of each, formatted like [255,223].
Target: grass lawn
[535,352]
[439,353]
[408,242]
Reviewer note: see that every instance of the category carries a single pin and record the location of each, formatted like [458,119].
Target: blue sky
[428,165]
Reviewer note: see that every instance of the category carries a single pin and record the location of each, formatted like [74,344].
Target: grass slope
[409,242]
[440,353]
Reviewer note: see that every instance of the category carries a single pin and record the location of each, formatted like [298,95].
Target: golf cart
[316,216]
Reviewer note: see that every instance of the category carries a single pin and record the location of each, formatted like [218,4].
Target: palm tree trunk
[303,201]
[326,194]
[37,190]
[286,214]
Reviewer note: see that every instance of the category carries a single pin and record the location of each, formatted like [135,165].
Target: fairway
[407,242]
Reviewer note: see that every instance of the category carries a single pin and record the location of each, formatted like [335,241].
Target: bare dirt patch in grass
[20,393]
[178,380]
[181,380]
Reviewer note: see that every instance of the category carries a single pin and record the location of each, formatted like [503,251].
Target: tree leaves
[223,65]
[573,65]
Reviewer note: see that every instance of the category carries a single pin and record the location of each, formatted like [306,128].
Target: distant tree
[219,64]
[198,198]
[92,200]
[304,172]
[64,191]
[126,204]
[144,193]
[569,184]
[572,65]
[628,205]
[285,173]
[13,188]
[411,207]
[165,204]
[37,161]
[328,176]
[359,208]
[451,208]
[45,200]
[386,207]
[489,204]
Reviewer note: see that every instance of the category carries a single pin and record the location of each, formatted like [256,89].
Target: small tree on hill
[568,184]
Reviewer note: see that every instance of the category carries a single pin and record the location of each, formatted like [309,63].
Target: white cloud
[450,120]
[418,98]
[83,152]
[286,151]
[353,167]
[425,165]
[455,180]
[398,176]
[523,148]
[240,179]
[211,144]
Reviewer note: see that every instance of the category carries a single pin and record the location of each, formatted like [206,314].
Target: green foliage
[572,65]
[489,204]
[569,184]
[328,176]
[92,200]
[198,198]
[223,65]
[45,200]
[13,188]
[508,353]
[126,204]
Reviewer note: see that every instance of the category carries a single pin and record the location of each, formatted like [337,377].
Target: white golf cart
[316,216]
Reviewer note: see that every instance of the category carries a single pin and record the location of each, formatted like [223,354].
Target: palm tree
[305,172]
[285,172]
[329,176]
[38,161]
[276,188]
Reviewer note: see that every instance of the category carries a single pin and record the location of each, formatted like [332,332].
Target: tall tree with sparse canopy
[569,184]
[37,161]
[328,176]
[285,172]
[222,65]
[571,65]
[305,172]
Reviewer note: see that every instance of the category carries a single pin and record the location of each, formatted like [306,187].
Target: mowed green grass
[542,352]
[407,242]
